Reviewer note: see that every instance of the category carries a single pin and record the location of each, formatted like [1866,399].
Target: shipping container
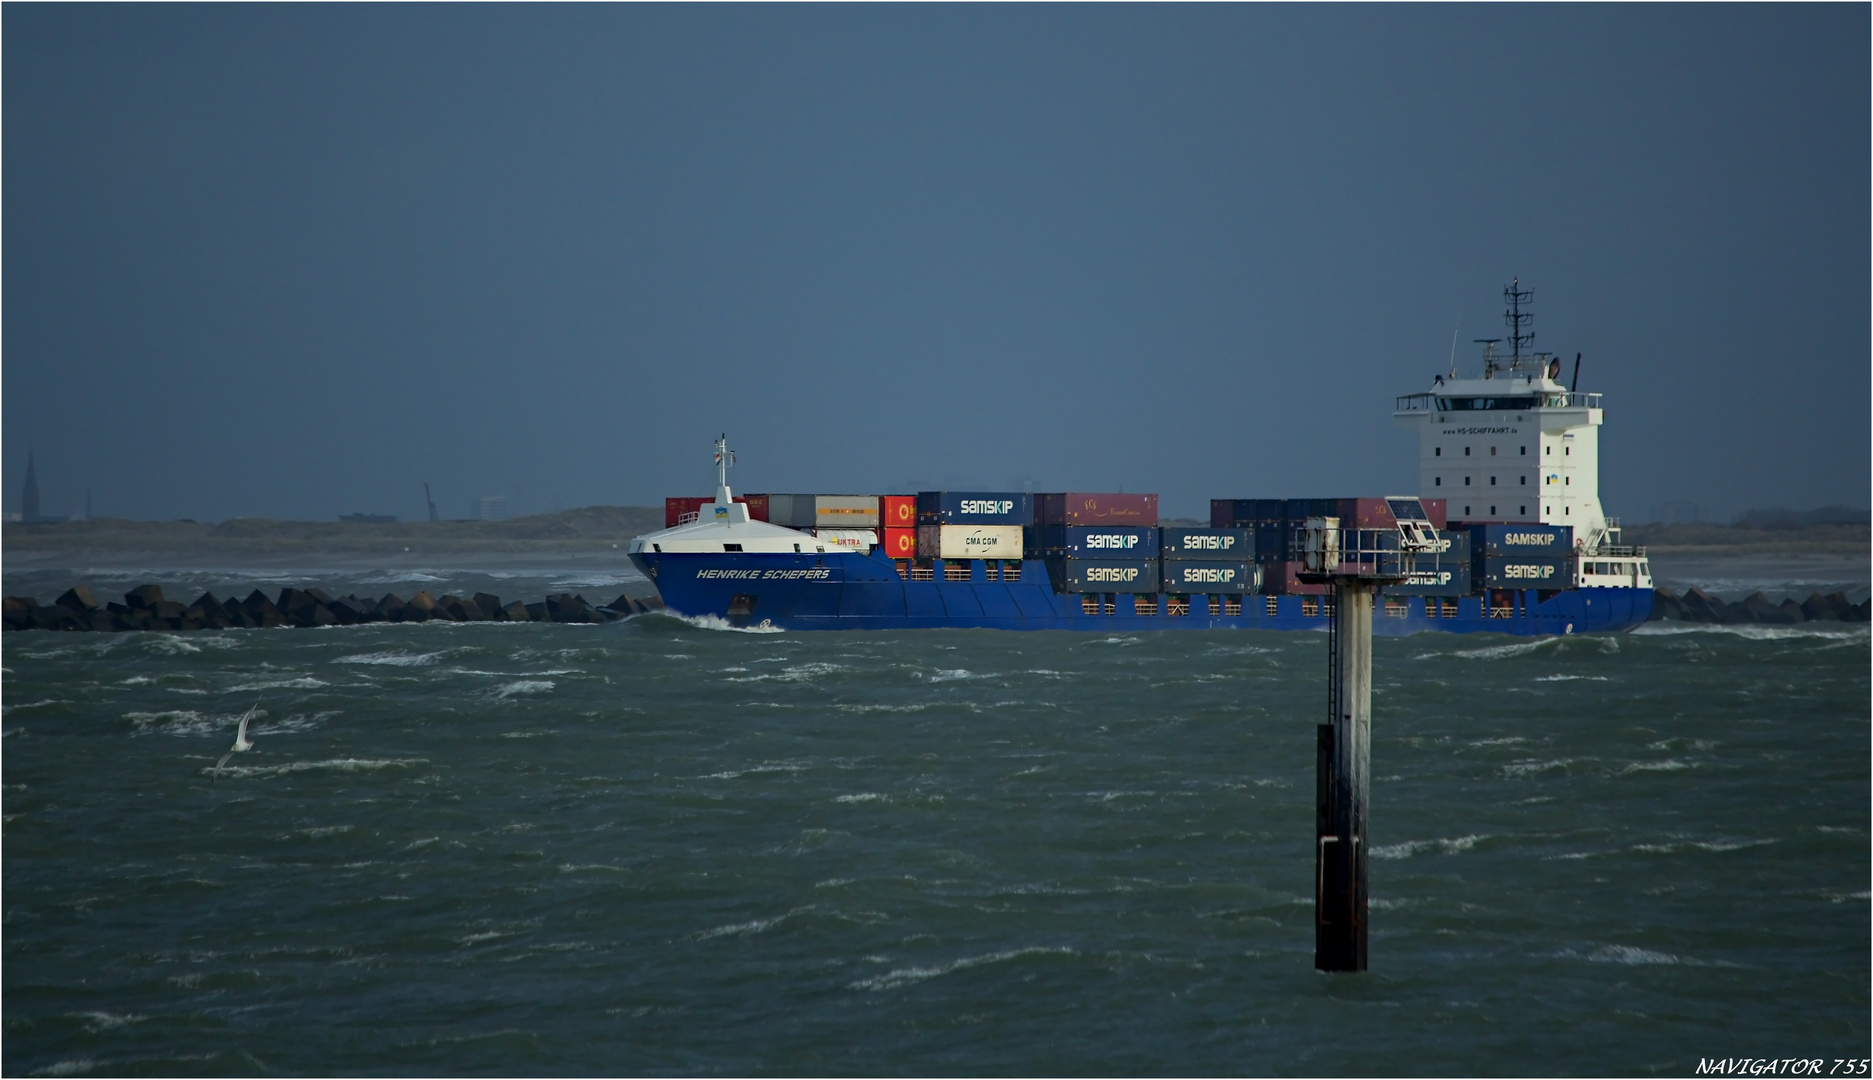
[1438,511]
[1071,575]
[676,507]
[1434,577]
[975,508]
[1273,542]
[1282,579]
[897,511]
[1095,508]
[969,541]
[1365,513]
[1211,578]
[900,543]
[1246,513]
[1117,542]
[824,511]
[1521,572]
[1444,572]
[1545,541]
[861,540]
[1212,545]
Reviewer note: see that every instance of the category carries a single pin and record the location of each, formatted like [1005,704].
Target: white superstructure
[724,526]
[1514,444]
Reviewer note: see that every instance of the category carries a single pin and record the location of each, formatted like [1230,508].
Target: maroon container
[1281,579]
[1438,510]
[1096,508]
[1366,514]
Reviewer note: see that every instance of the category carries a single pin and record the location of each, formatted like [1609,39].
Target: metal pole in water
[1343,783]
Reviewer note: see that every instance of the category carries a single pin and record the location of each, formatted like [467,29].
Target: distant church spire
[29,499]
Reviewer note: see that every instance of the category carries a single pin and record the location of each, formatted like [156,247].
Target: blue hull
[849,591]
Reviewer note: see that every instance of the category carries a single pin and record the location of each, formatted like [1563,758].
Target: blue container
[1245,513]
[1209,545]
[1093,542]
[1445,573]
[975,508]
[1211,578]
[1102,575]
[1271,542]
[1296,511]
[1544,541]
[1521,572]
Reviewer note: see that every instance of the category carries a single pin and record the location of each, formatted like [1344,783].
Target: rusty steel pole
[1343,783]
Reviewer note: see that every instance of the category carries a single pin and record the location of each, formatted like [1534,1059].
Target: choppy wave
[1420,847]
[522,686]
[1498,652]
[393,658]
[1757,631]
[333,765]
[897,977]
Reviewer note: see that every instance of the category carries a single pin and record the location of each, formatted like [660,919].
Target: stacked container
[897,525]
[1522,556]
[1275,521]
[972,524]
[1441,573]
[1210,562]
[1095,542]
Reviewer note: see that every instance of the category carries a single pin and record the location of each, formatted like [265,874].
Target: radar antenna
[1515,296]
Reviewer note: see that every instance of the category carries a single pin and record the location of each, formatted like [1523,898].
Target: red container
[901,543]
[1438,511]
[676,506]
[897,512]
[1279,579]
[757,506]
[1096,508]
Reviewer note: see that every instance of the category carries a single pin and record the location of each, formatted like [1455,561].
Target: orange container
[897,512]
[901,543]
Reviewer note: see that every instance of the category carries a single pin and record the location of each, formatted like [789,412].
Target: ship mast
[1515,296]
[724,457]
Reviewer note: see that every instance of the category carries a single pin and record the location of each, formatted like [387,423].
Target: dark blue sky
[293,261]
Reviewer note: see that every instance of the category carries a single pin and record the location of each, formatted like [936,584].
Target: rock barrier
[145,608]
[1696,605]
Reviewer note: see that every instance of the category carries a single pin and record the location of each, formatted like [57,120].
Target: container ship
[1506,536]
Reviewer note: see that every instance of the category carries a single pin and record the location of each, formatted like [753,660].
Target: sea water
[664,846]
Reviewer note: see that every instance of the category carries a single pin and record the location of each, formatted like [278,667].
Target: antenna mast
[430,501]
[1515,296]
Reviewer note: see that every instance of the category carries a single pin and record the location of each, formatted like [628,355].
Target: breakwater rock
[145,608]
[1696,605]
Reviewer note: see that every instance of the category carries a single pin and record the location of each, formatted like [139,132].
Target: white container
[861,540]
[844,511]
[969,541]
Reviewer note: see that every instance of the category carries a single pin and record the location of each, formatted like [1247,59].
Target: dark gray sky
[293,261]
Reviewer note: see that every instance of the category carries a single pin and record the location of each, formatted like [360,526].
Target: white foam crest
[1840,632]
[186,722]
[1531,768]
[1718,846]
[863,796]
[947,675]
[1668,765]
[522,686]
[880,708]
[797,673]
[752,926]
[1118,641]
[1572,678]
[764,767]
[597,581]
[332,765]
[393,659]
[1632,955]
[104,1021]
[893,979]
[34,705]
[1418,847]
[1499,652]
[1506,740]
[303,682]
[716,622]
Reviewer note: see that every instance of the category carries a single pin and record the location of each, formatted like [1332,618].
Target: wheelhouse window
[1481,404]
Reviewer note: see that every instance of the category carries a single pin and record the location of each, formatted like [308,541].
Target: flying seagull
[241,741]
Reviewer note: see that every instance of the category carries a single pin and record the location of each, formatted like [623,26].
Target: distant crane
[430,501]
